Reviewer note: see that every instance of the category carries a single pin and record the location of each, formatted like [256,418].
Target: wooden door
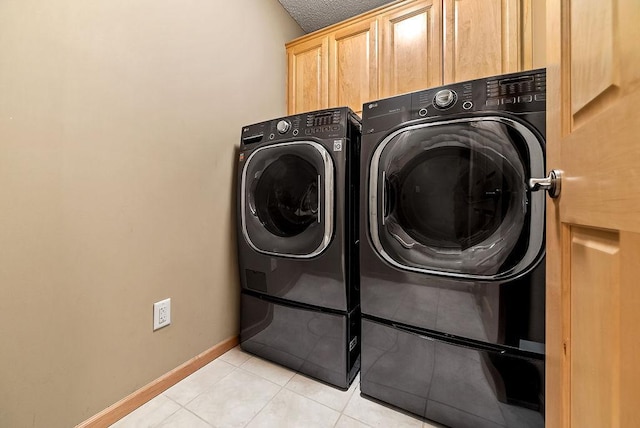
[353,65]
[410,49]
[593,234]
[308,75]
[485,38]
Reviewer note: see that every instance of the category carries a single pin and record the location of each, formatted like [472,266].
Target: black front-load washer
[452,252]
[298,219]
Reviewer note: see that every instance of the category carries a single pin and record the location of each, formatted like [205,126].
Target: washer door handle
[251,196]
[319,197]
[252,206]
[384,196]
[552,183]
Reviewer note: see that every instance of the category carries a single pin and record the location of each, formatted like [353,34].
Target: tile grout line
[206,390]
[269,363]
[236,369]
[184,406]
[268,380]
[316,401]
[340,412]
[263,407]
[283,387]
[168,416]
[197,416]
[311,399]
[347,405]
[299,395]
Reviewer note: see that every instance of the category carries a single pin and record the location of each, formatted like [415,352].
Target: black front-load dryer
[298,195]
[452,252]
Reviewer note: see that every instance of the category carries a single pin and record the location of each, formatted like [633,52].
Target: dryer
[452,252]
[297,240]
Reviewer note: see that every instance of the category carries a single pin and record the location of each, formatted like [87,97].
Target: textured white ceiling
[312,15]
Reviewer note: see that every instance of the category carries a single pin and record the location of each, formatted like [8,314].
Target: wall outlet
[161,314]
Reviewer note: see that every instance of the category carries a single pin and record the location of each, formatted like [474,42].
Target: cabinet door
[410,48]
[484,38]
[593,232]
[353,65]
[308,75]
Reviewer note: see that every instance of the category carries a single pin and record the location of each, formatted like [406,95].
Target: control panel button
[272,136]
[508,100]
[493,102]
[467,105]
[295,132]
[541,97]
[422,112]
[283,126]
[444,98]
[525,99]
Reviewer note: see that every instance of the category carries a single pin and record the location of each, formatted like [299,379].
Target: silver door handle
[319,197]
[384,196]
[552,183]
[252,202]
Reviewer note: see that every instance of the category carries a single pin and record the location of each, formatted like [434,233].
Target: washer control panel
[329,123]
[323,123]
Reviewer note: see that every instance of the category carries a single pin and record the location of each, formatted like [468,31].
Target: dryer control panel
[516,92]
[523,92]
[523,88]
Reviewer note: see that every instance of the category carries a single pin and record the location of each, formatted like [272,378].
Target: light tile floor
[241,390]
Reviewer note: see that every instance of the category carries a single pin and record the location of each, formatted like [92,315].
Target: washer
[452,252]
[298,219]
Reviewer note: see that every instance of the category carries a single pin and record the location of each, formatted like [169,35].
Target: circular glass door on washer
[297,243]
[452,280]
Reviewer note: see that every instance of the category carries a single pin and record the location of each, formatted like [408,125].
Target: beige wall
[119,122]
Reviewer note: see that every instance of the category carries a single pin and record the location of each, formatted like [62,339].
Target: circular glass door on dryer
[450,198]
[287,199]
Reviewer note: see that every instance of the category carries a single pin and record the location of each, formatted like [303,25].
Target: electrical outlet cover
[161,314]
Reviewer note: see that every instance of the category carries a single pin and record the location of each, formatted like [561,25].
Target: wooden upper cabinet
[353,65]
[485,37]
[410,48]
[308,78]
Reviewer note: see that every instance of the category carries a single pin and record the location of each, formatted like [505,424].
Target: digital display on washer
[513,80]
[323,119]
